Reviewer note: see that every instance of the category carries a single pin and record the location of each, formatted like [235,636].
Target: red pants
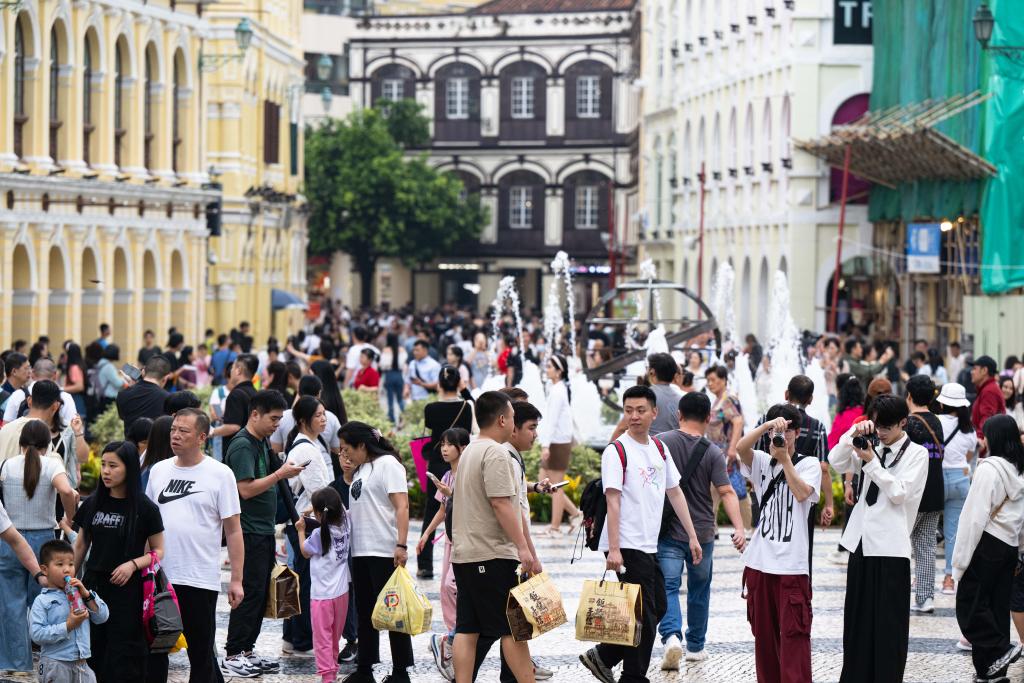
[779,612]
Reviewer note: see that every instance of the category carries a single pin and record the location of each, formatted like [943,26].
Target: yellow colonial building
[112,116]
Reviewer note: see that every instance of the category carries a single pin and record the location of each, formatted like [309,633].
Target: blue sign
[924,242]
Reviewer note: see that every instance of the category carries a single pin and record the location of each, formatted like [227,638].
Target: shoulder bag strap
[691,465]
[621,450]
[458,415]
[939,442]
[951,436]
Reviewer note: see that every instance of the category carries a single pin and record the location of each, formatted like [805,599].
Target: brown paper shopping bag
[283,594]
[610,612]
[534,607]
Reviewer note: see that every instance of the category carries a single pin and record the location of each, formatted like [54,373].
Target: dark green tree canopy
[368,198]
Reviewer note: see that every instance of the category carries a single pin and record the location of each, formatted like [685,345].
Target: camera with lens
[778,440]
[863,441]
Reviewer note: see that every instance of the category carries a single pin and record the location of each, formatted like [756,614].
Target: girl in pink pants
[327,550]
[453,441]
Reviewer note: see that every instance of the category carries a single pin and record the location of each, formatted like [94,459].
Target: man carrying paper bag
[636,482]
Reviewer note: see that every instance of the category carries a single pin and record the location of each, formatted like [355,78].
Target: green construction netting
[927,50]
[1002,214]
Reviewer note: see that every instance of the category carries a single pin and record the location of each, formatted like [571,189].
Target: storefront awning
[900,145]
[284,300]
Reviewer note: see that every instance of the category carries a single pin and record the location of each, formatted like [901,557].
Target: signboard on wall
[924,241]
[851,22]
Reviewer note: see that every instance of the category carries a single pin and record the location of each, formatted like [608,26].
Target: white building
[531,104]
[728,86]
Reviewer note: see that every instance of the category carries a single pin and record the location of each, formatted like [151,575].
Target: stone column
[425,96]
[490,108]
[489,199]
[555,106]
[553,216]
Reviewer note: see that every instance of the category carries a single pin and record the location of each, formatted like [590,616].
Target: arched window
[733,144]
[147,114]
[716,145]
[523,87]
[457,102]
[748,135]
[687,152]
[20,114]
[176,118]
[673,181]
[87,125]
[55,121]
[120,119]
[766,138]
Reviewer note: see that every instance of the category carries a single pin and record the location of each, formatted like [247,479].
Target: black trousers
[119,648]
[643,569]
[983,601]
[298,630]
[199,623]
[369,574]
[246,620]
[876,619]
[351,631]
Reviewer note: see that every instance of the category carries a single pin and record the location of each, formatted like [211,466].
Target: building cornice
[39,185]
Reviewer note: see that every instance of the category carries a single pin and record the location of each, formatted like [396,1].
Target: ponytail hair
[327,502]
[448,378]
[357,434]
[303,413]
[35,439]
[558,360]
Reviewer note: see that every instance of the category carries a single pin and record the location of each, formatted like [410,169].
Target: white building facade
[532,105]
[727,87]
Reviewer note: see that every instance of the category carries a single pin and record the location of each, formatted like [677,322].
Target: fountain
[722,304]
[554,320]
[819,403]
[784,341]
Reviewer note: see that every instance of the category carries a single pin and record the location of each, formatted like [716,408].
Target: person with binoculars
[892,471]
[776,571]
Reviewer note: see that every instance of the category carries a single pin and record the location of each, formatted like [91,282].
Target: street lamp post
[325,98]
[984,23]
[243,38]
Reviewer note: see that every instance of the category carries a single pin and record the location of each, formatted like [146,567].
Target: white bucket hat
[953,395]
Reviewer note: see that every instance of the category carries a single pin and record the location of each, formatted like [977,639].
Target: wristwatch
[38,574]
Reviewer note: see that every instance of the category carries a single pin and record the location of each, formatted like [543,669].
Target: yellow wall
[263,244]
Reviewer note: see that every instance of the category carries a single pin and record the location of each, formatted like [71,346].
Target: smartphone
[311,524]
[433,478]
[132,372]
[559,484]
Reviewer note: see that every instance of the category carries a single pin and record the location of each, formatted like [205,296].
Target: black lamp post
[984,23]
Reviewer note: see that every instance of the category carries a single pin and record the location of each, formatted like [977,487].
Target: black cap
[987,362]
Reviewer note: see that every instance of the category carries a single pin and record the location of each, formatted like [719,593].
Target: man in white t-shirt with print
[636,491]
[777,560]
[198,501]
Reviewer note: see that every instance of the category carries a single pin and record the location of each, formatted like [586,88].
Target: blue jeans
[19,590]
[957,485]
[394,385]
[673,556]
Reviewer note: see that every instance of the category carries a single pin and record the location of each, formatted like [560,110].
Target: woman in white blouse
[555,435]
[301,448]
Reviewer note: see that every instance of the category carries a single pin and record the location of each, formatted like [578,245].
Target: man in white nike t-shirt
[198,501]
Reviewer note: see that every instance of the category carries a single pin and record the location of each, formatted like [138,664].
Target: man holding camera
[777,568]
[893,471]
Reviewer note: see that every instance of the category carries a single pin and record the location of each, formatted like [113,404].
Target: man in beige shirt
[488,542]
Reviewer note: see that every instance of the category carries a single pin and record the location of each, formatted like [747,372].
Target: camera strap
[872,493]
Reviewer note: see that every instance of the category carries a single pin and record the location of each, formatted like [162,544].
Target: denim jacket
[48,626]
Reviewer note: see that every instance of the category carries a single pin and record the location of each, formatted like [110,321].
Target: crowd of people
[927,450]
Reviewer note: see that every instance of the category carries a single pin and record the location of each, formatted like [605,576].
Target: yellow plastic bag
[401,606]
[610,612]
[534,607]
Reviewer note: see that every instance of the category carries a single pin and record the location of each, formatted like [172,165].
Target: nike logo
[176,489]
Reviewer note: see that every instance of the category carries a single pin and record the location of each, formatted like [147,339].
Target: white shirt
[556,425]
[330,434]
[352,357]
[374,525]
[954,456]
[328,572]
[885,526]
[13,407]
[193,503]
[643,492]
[779,544]
[316,474]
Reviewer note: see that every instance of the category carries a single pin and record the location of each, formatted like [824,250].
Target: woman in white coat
[987,547]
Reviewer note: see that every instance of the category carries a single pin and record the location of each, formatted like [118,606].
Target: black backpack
[593,503]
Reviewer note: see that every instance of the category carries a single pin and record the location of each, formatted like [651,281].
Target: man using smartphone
[876,618]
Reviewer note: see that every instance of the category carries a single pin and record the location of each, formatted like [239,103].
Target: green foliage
[107,427]
[90,474]
[406,122]
[370,200]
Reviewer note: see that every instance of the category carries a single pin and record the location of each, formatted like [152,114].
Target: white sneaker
[964,645]
[698,656]
[839,557]
[673,653]
[239,667]
[928,606]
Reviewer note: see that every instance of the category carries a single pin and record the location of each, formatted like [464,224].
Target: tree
[370,200]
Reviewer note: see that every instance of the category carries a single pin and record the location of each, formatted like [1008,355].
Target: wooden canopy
[900,144]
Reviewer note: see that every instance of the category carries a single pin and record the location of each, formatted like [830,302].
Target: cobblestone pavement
[933,656]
